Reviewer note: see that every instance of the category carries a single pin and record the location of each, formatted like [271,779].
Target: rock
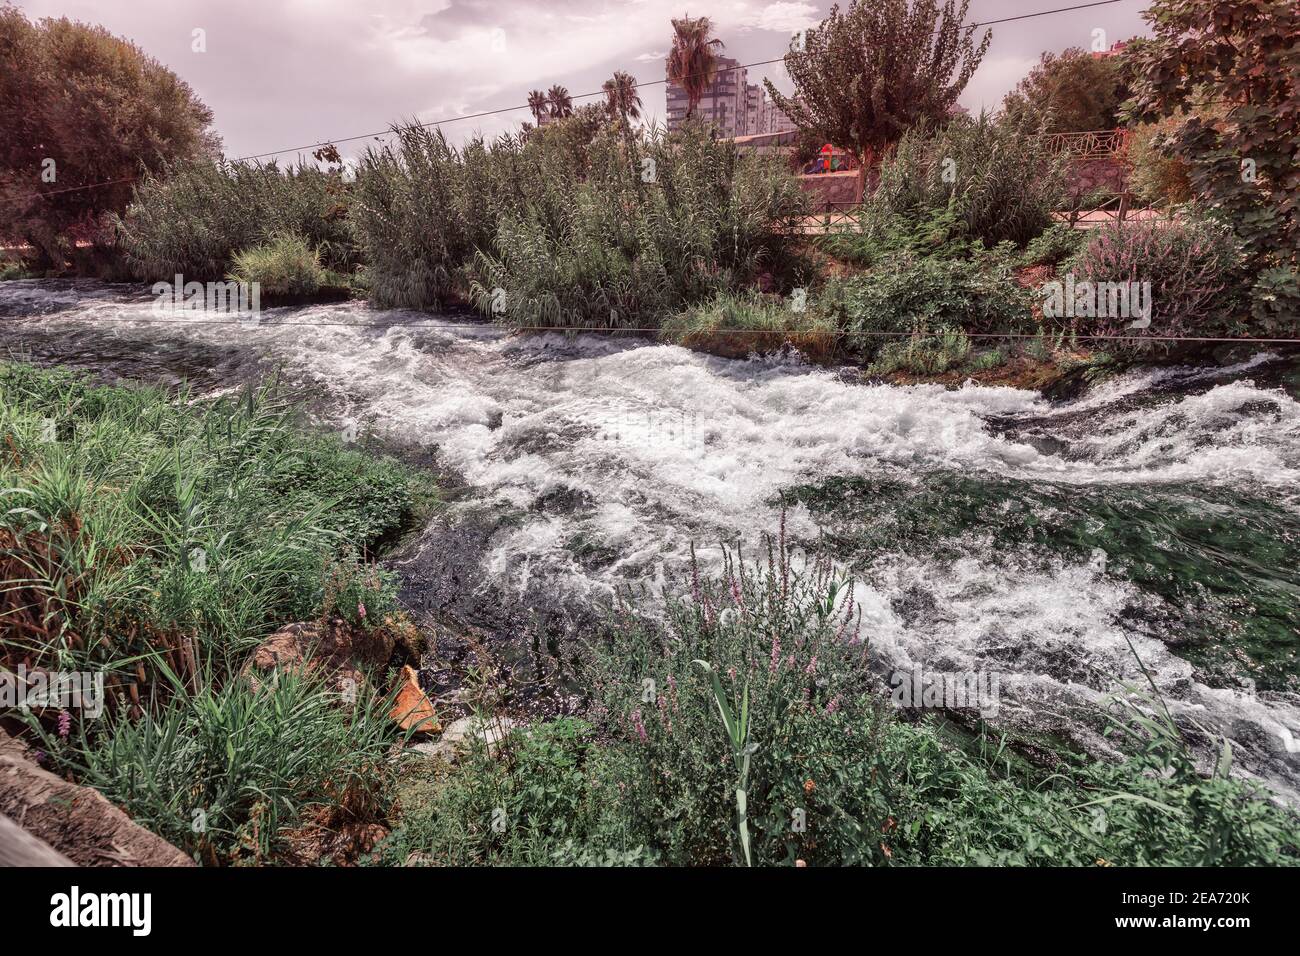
[460,734]
[75,821]
[413,710]
[333,646]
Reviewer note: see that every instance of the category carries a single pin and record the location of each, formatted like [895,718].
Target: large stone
[75,821]
[413,711]
[461,734]
[333,647]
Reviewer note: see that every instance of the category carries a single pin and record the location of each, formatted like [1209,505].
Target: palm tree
[537,103]
[621,98]
[561,102]
[693,62]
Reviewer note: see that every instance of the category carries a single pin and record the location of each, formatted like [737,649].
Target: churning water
[989,528]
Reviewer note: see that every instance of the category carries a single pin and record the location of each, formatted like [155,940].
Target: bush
[1057,243]
[157,540]
[994,179]
[413,229]
[979,295]
[738,325]
[223,772]
[1193,266]
[195,218]
[658,222]
[1158,174]
[150,523]
[1275,301]
[285,266]
[550,791]
[922,354]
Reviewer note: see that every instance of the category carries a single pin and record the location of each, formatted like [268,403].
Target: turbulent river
[991,529]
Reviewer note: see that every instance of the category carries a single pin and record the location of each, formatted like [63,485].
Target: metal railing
[1093,144]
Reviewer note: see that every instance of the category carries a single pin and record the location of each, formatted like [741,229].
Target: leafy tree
[561,103]
[82,108]
[693,61]
[1076,91]
[1243,161]
[866,76]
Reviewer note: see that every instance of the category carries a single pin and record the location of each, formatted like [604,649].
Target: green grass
[284,266]
[736,325]
[835,775]
[157,539]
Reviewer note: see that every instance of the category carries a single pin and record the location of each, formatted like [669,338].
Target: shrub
[1275,300]
[157,540]
[1158,174]
[195,218]
[413,233]
[1057,243]
[223,772]
[738,325]
[652,775]
[153,528]
[978,295]
[658,222]
[285,266]
[994,177]
[923,354]
[1194,269]
[551,792]
[783,645]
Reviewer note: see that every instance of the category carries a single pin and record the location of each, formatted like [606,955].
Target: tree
[864,77]
[537,103]
[561,103]
[1244,160]
[693,61]
[82,108]
[1076,91]
[621,98]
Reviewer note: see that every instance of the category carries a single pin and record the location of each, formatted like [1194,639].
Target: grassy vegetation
[738,325]
[584,222]
[158,539]
[197,217]
[284,266]
[833,774]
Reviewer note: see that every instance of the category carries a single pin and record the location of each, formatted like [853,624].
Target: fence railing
[1093,144]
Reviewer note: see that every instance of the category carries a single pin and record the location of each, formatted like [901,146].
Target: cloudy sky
[282,74]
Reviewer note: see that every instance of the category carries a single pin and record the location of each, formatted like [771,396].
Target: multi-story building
[735,106]
[725,103]
[753,107]
[771,119]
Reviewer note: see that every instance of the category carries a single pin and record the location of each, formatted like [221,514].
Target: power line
[438,326]
[511,109]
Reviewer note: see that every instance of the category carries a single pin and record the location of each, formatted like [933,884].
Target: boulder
[460,735]
[413,711]
[75,822]
[331,646]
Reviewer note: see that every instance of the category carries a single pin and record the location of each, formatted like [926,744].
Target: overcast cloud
[286,73]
